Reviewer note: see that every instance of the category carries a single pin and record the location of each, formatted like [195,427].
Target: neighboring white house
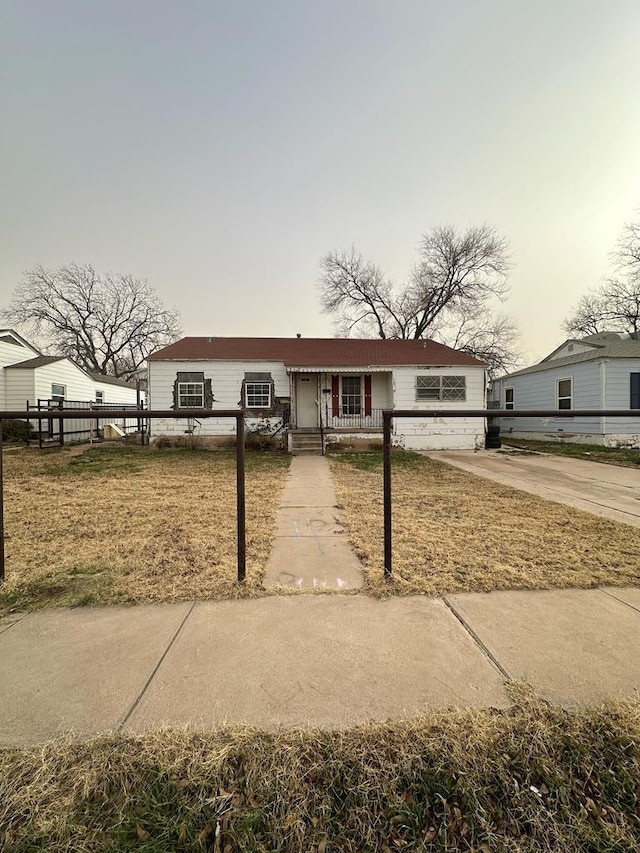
[334,387]
[596,372]
[13,349]
[27,376]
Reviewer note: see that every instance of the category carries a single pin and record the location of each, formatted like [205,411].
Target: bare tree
[447,294]
[615,304]
[493,338]
[106,323]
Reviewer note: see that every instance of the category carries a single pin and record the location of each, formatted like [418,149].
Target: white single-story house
[320,390]
[27,377]
[596,372]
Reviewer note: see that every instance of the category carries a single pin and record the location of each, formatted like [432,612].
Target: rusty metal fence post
[173,414]
[241,509]
[389,414]
[1,506]
[386,476]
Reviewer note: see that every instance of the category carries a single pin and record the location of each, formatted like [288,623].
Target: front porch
[327,407]
[340,401]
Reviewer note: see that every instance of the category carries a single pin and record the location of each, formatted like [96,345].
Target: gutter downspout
[603,399]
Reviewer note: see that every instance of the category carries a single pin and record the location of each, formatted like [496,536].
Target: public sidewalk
[322,660]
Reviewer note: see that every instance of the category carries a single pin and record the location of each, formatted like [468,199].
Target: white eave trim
[389,368]
[355,369]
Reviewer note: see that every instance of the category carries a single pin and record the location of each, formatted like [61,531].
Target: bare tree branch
[615,304]
[452,283]
[493,338]
[108,324]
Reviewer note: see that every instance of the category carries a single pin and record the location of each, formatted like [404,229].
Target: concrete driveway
[605,490]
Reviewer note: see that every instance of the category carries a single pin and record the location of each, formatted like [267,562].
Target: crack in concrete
[12,623]
[493,659]
[155,670]
[621,600]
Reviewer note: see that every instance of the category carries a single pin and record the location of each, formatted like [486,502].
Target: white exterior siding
[11,354]
[78,385]
[570,348]
[390,387]
[439,433]
[14,353]
[116,393]
[19,388]
[33,384]
[226,384]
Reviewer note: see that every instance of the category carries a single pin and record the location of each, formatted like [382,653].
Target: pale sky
[219,149]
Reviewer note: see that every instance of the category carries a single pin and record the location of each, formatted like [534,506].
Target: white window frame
[258,397]
[509,405]
[99,396]
[568,408]
[438,385]
[354,401]
[183,394]
[58,385]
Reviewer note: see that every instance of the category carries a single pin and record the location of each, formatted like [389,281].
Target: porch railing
[349,420]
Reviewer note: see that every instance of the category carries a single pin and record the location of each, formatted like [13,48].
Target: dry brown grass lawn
[457,532]
[131,524]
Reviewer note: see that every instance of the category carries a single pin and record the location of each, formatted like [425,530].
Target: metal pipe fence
[91,426]
[174,414]
[389,415]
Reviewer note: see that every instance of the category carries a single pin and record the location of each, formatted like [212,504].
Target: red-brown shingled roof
[316,352]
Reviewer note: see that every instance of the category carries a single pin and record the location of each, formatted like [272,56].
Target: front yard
[456,532]
[132,524]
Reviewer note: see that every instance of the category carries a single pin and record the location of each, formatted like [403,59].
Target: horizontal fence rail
[389,415]
[47,410]
[148,414]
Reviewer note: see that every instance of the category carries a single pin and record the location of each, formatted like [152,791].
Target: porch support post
[293,416]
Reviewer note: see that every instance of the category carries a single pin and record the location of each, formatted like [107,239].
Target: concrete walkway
[606,490]
[327,660]
[311,548]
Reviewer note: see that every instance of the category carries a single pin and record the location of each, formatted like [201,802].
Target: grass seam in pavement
[494,660]
[155,669]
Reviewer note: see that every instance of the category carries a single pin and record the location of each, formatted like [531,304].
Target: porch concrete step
[306,444]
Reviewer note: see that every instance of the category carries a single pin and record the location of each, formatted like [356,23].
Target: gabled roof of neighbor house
[38,361]
[10,336]
[111,380]
[317,352]
[604,345]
